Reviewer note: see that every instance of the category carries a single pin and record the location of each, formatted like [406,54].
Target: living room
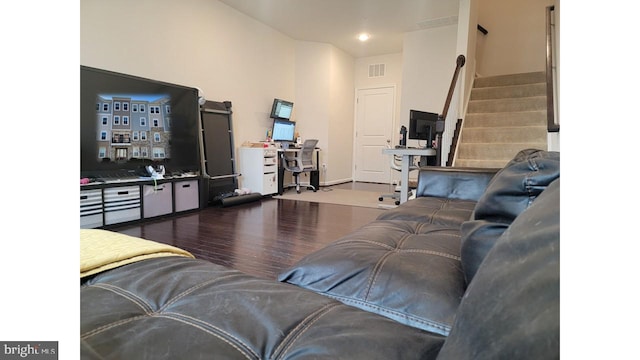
[224,50]
[319,78]
[170,68]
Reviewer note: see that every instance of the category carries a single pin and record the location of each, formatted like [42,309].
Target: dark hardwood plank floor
[261,238]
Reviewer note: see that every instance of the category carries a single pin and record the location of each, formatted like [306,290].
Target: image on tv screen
[133,126]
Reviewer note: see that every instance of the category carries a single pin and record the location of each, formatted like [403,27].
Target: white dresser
[259,169]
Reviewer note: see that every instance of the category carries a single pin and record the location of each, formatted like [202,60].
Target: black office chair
[301,161]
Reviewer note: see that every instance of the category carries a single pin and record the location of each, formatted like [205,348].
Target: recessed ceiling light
[363,37]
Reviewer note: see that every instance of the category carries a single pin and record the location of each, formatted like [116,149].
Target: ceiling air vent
[434,23]
[376,70]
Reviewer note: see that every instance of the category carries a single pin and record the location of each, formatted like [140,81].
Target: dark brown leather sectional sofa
[467,270]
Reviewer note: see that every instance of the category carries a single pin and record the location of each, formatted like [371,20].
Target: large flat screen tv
[128,122]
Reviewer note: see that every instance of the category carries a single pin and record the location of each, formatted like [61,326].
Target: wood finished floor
[261,238]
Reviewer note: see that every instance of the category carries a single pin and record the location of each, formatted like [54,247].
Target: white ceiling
[338,22]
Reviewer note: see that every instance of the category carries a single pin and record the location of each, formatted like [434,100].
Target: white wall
[313,63]
[516,39]
[466,45]
[312,87]
[341,117]
[324,99]
[429,58]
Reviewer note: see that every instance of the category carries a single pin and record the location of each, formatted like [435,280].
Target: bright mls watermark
[41,350]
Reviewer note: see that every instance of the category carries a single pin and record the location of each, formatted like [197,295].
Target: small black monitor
[281,109]
[422,126]
[283,130]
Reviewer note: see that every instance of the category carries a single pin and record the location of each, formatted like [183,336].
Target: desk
[315,174]
[407,158]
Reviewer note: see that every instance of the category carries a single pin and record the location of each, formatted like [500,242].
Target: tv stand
[116,201]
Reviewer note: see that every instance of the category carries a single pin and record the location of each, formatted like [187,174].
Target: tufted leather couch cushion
[511,310]
[407,271]
[510,191]
[432,210]
[179,308]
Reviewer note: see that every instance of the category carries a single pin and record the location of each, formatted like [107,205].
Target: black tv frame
[184,143]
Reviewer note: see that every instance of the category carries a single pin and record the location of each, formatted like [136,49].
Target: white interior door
[374,122]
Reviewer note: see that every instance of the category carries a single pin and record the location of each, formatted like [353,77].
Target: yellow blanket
[102,250]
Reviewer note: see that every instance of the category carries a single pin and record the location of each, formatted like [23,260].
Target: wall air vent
[434,23]
[376,70]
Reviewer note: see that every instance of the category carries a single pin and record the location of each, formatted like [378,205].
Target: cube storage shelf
[121,204]
[118,202]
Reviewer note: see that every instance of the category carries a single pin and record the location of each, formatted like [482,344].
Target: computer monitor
[281,109]
[283,130]
[422,126]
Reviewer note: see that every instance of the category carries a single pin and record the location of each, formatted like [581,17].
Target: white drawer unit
[121,204]
[186,195]
[156,200]
[91,208]
[270,183]
[259,169]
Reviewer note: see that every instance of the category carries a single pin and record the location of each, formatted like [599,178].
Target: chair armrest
[453,183]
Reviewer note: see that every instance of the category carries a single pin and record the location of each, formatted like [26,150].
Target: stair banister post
[439,131]
[460,60]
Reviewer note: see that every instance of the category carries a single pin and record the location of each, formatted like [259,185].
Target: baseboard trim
[336,182]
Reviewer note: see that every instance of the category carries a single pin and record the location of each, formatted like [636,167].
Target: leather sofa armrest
[453,183]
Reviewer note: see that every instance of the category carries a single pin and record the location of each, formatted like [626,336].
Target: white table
[407,158]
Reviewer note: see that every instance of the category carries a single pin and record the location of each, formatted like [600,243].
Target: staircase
[506,114]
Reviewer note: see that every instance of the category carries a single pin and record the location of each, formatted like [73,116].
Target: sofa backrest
[512,190]
[511,310]
[453,183]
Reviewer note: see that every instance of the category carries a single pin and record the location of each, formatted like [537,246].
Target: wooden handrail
[551,122]
[460,60]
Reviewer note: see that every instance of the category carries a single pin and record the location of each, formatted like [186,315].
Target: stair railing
[552,126]
[460,60]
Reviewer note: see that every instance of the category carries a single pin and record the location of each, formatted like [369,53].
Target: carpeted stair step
[514,91]
[521,118]
[493,152]
[486,164]
[516,134]
[512,79]
[508,105]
